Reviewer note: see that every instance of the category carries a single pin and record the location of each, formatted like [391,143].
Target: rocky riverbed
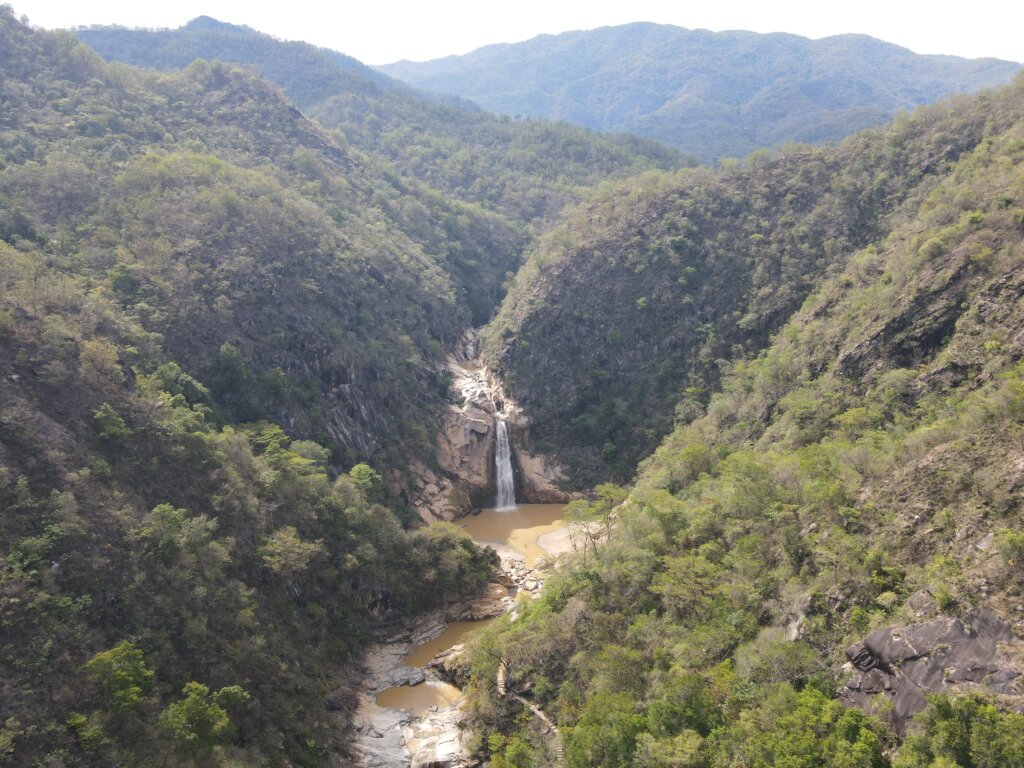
[399,737]
[390,737]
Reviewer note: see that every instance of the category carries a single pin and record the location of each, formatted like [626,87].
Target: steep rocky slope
[840,525]
[715,94]
[624,316]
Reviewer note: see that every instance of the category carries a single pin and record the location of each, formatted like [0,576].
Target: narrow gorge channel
[409,712]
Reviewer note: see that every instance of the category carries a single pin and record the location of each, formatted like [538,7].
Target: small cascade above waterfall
[504,479]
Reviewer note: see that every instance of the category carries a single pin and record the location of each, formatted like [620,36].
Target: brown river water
[510,532]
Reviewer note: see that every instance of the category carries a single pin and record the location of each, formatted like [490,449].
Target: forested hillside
[625,315]
[715,94]
[188,268]
[206,204]
[526,170]
[863,472]
[226,307]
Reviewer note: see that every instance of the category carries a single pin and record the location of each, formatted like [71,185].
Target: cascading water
[504,479]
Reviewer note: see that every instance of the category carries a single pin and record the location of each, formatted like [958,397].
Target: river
[527,532]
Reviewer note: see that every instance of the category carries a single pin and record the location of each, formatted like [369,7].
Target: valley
[344,423]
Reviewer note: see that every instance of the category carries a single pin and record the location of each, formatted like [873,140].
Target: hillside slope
[193,198]
[184,261]
[525,170]
[840,524]
[626,314]
[715,94]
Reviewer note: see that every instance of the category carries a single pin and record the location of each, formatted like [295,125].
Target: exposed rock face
[943,655]
[539,474]
[395,738]
[465,446]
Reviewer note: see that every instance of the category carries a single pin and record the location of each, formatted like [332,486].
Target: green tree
[122,674]
[965,731]
[109,423]
[606,734]
[201,720]
[367,481]
[687,585]
[286,554]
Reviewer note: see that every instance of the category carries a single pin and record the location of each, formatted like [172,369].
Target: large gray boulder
[944,655]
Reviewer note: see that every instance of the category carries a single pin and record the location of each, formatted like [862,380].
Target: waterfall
[504,480]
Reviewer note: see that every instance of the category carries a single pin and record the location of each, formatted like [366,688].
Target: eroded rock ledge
[944,655]
[464,477]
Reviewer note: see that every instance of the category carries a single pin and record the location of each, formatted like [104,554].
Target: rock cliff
[464,476]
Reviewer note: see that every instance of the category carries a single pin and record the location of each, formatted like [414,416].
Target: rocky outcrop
[451,665]
[943,655]
[395,738]
[465,446]
[495,600]
[526,579]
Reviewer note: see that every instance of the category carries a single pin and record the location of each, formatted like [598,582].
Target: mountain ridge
[526,171]
[669,83]
[800,565]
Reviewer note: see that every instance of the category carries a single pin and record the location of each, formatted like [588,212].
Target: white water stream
[503,476]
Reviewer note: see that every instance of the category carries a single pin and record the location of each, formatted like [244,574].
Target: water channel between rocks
[528,532]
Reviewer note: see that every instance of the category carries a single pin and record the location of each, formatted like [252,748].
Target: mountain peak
[210,23]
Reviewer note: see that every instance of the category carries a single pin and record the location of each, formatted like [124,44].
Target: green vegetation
[964,732]
[525,170]
[189,268]
[220,336]
[181,554]
[715,94]
[188,199]
[869,453]
[719,262]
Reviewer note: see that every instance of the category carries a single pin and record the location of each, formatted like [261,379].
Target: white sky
[382,31]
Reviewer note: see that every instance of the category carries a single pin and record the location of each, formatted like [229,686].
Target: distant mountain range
[714,94]
[527,170]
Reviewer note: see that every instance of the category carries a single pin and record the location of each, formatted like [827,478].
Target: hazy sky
[381,31]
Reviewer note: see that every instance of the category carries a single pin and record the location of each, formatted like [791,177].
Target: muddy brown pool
[511,532]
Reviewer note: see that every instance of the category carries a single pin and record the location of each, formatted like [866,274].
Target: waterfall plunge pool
[520,531]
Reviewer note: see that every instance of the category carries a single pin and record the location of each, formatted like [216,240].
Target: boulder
[452,666]
[943,655]
[493,601]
